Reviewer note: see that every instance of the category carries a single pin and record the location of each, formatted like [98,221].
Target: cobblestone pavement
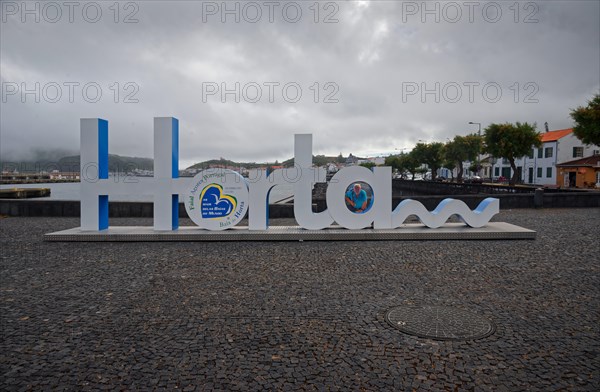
[299,315]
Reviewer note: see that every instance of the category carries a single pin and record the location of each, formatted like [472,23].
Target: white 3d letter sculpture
[218,199]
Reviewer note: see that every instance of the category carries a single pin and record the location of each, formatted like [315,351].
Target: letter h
[96,187]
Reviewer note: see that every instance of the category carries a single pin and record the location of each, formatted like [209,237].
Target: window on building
[539,172]
[531,154]
[577,152]
[548,152]
[497,172]
[540,153]
[548,172]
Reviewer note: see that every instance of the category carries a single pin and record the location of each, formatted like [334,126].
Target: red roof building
[540,166]
[553,136]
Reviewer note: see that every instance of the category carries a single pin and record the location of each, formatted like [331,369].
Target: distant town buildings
[561,161]
[58,175]
[15,177]
[374,160]
[540,167]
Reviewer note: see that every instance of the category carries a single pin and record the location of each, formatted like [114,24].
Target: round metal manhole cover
[439,322]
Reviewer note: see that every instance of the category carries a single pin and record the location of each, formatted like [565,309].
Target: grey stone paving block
[87,316]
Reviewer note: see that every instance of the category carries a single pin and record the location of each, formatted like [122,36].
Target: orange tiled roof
[553,136]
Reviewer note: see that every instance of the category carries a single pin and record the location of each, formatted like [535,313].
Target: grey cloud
[370,55]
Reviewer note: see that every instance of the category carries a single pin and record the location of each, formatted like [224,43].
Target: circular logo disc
[217,199]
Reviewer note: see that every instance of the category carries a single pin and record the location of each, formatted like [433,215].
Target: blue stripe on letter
[175,148]
[102,172]
[102,149]
[175,212]
[102,212]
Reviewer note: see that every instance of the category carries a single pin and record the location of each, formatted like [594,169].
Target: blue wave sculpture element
[477,218]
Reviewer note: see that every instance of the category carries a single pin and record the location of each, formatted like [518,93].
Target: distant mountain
[119,163]
[226,162]
[318,160]
[116,163]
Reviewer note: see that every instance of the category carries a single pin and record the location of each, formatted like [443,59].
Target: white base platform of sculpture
[407,232]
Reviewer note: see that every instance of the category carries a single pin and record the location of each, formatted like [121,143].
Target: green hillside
[318,160]
[71,164]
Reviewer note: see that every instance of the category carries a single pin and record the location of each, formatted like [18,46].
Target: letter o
[86,16]
[380,211]
[98,92]
[257,96]
[297,174]
[458,12]
[258,11]
[57,9]
[57,95]
[298,92]
[498,92]
[284,12]
[485,14]
[85,174]
[458,94]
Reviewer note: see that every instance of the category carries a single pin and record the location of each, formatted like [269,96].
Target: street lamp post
[478,152]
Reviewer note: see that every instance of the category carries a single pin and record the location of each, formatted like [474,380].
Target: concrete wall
[565,200]
[63,208]
[116,209]
[407,187]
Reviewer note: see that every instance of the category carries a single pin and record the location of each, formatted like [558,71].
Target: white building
[539,168]
[377,160]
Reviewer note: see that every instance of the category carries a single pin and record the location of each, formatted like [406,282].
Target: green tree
[392,161]
[450,165]
[403,163]
[587,121]
[368,165]
[511,141]
[460,149]
[320,160]
[410,164]
[430,154]
[395,162]
[340,158]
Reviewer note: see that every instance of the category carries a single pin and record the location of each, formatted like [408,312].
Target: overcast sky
[366,69]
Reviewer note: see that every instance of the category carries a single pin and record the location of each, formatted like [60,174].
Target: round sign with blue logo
[217,199]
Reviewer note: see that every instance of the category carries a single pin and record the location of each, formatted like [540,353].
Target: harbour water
[71,191]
